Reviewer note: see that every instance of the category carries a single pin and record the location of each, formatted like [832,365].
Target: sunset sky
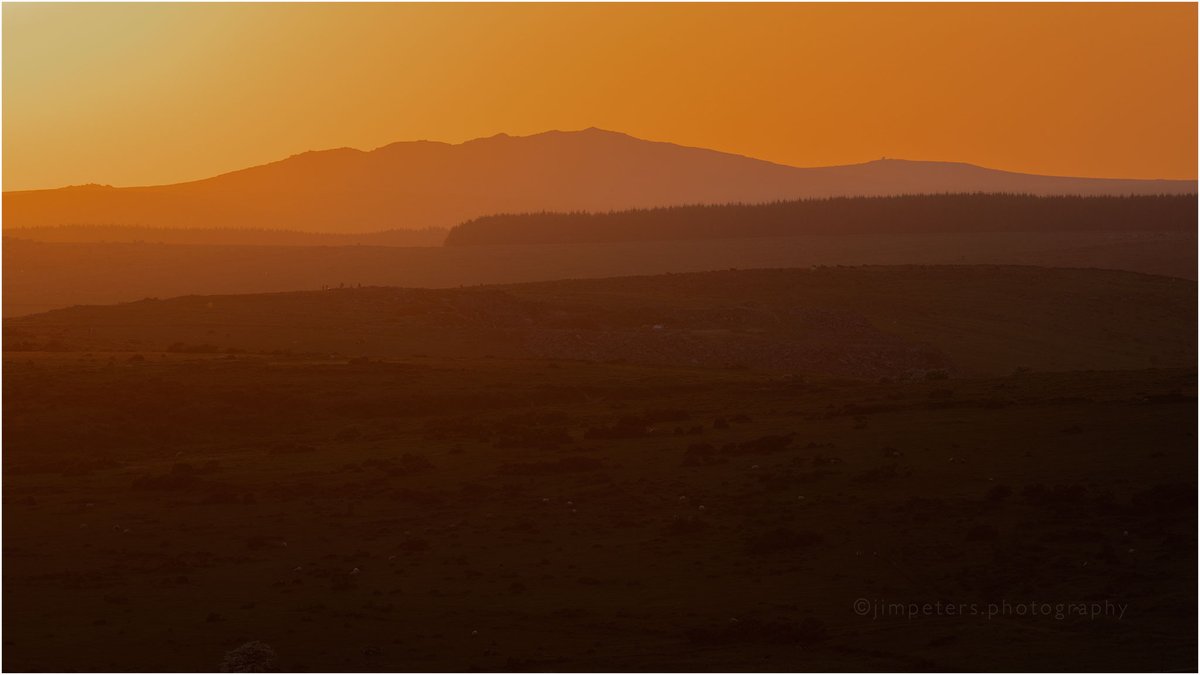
[145,93]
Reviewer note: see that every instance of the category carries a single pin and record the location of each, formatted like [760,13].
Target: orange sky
[145,93]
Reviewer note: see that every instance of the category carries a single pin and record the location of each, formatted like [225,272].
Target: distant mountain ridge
[419,184]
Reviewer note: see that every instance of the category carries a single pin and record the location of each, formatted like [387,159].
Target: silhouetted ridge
[413,185]
[839,215]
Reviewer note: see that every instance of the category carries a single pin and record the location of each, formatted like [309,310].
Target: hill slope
[42,276]
[425,184]
[864,322]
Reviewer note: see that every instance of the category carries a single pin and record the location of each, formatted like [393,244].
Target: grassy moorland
[529,478]
[436,514]
[862,322]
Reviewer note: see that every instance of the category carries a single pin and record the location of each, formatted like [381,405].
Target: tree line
[982,212]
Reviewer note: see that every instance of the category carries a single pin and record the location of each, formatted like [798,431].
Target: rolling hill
[40,276]
[863,322]
[413,185]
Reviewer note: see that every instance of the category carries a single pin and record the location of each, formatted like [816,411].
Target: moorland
[703,472]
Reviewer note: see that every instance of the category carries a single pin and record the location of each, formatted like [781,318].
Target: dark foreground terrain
[444,509]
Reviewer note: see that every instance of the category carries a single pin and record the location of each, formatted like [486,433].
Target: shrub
[252,657]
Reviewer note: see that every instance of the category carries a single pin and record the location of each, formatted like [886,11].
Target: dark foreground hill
[411,505]
[869,322]
[422,184]
[946,213]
